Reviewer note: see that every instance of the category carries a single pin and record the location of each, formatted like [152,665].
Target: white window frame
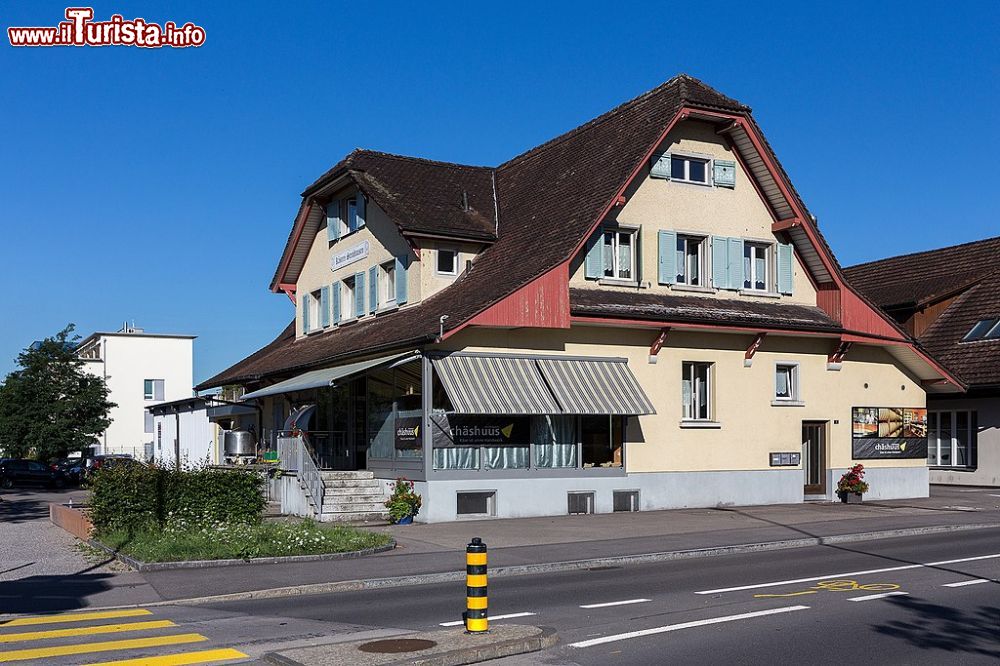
[616,233]
[934,435]
[149,395]
[701,242]
[689,411]
[347,287]
[315,316]
[751,277]
[387,289]
[687,158]
[437,261]
[794,395]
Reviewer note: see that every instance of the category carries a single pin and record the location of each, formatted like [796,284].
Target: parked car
[110,461]
[73,468]
[18,472]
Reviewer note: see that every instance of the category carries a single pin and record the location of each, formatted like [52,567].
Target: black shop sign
[470,430]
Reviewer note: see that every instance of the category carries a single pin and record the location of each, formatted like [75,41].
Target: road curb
[555,567]
[141,566]
[545,638]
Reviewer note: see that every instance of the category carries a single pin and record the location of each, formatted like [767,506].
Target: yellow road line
[74,617]
[84,648]
[201,657]
[85,631]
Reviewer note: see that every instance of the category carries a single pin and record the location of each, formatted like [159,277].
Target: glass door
[814,457]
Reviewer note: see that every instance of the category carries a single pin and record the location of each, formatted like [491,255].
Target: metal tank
[240,443]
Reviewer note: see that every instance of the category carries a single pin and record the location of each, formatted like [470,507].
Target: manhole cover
[394,645]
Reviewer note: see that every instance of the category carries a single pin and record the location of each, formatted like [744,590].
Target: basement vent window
[626,500]
[580,502]
[477,504]
[985,329]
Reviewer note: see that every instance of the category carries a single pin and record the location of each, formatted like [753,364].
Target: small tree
[49,405]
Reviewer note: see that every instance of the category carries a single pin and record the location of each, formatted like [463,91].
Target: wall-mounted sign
[466,430]
[349,255]
[889,432]
[408,433]
[785,459]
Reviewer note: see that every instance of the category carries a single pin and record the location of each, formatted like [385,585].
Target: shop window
[555,439]
[505,457]
[602,440]
[952,439]
[476,503]
[456,457]
[580,502]
[696,391]
[626,500]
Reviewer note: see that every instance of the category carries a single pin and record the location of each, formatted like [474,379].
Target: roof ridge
[679,79]
[924,252]
[424,160]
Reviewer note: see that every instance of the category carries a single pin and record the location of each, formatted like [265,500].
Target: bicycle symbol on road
[834,586]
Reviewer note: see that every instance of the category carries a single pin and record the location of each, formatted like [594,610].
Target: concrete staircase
[352,497]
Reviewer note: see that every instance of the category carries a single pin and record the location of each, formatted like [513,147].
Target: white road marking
[459,623]
[992,495]
[963,583]
[870,597]
[850,574]
[615,603]
[684,625]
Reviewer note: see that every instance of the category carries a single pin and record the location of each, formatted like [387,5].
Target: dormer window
[447,262]
[619,254]
[984,329]
[689,169]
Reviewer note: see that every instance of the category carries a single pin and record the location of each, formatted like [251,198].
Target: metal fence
[294,454]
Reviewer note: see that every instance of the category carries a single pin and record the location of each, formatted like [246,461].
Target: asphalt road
[771,607]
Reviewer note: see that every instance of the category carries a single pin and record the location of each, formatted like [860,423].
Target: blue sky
[159,185]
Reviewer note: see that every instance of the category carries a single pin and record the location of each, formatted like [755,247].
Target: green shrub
[133,498]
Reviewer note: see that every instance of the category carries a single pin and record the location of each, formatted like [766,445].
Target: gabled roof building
[640,313]
[949,300]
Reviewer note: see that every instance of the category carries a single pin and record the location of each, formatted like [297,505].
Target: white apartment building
[141,369]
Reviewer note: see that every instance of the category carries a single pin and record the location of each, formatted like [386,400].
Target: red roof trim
[286,259]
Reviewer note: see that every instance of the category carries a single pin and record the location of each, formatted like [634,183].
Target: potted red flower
[404,503]
[852,485]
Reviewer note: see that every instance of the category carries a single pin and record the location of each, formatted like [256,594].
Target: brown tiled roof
[913,279]
[548,198]
[970,270]
[700,310]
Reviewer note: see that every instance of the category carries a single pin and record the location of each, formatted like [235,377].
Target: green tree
[49,406]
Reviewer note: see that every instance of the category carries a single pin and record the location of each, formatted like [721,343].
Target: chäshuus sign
[463,430]
[350,255]
[408,433]
[889,432]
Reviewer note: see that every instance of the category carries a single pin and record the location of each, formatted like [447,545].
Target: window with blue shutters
[336,302]
[333,220]
[373,289]
[359,207]
[305,312]
[724,173]
[660,166]
[402,264]
[359,294]
[352,215]
[720,262]
[786,268]
[735,263]
[666,269]
[594,260]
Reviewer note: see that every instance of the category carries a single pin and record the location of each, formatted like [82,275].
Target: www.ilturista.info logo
[79,29]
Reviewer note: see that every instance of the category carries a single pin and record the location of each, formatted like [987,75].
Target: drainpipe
[177,438]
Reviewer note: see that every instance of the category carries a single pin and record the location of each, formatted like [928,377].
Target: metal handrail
[292,449]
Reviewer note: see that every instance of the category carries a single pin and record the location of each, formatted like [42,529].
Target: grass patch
[223,542]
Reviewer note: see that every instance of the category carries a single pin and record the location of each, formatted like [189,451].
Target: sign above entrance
[889,432]
[350,255]
[463,430]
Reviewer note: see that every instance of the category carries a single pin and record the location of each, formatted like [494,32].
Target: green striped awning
[595,386]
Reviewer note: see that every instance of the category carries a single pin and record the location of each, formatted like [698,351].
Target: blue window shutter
[593,267]
[720,262]
[667,262]
[660,166]
[324,307]
[786,257]
[724,173]
[333,220]
[373,289]
[735,263]
[360,208]
[359,294]
[335,297]
[402,263]
[305,313]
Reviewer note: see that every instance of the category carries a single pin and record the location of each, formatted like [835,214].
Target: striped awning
[494,385]
[595,386]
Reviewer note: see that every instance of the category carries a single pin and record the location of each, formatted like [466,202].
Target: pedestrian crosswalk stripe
[84,648]
[74,617]
[85,631]
[201,657]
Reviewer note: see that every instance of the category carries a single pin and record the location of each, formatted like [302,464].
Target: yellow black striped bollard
[475,587]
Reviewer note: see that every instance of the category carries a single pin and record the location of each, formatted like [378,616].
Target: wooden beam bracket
[654,349]
[752,349]
[836,359]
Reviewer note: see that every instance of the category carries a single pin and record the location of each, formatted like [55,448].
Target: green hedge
[137,497]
